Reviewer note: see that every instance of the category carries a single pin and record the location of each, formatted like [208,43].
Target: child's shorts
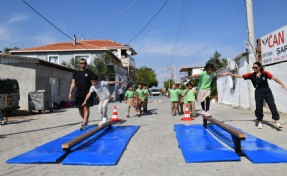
[131,102]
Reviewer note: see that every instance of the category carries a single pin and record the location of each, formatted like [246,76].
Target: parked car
[9,95]
[155,92]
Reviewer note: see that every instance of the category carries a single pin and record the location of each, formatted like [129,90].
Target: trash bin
[40,101]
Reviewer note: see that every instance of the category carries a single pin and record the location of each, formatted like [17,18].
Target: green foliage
[73,63]
[100,66]
[146,76]
[167,84]
[6,49]
[217,63]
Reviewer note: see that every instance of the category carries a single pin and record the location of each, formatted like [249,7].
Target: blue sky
[200,27]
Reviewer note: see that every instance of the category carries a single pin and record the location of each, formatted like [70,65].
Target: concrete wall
[234,91]
[238,95]
[279,71]
[26,78]
[43,82]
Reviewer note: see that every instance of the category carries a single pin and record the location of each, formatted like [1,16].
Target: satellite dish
[129,52]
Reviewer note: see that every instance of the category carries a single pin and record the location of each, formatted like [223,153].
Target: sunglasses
[81,63]
[255,67]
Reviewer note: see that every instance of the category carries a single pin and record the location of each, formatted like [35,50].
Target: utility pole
[251,58]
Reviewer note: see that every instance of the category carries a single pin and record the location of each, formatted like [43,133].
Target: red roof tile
[81,45]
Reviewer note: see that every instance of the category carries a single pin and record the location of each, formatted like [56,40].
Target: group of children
[137,99]
[179,97]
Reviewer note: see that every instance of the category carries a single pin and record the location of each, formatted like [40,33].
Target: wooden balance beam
[68,145]
[237,135]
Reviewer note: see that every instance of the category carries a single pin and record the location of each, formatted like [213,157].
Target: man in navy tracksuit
[262,92]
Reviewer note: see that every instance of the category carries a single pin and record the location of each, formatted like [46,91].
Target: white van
[9,95]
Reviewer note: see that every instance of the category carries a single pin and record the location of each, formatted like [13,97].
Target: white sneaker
[278,125]
[203,112]
[207,114]
[259,126]
[104,120]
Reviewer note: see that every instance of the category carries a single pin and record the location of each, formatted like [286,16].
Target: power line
[48,20]
[115,17]
[183,19]
[148,22]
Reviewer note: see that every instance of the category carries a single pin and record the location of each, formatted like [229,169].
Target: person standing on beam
[262,92]
[103,93]
[204,86]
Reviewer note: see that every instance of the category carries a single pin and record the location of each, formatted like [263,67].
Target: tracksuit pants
[262,94]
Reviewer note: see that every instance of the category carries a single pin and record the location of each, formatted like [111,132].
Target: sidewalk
[153,150]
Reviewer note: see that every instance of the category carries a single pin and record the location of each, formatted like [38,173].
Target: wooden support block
[66,146]
[237,135]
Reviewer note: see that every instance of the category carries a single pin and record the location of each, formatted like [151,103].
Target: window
[55,86]
[86,56]
[53,59]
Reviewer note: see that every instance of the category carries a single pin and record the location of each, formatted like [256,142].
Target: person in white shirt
[103,93]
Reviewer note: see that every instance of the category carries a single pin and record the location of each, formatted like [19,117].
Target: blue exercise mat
[50,152]
[255,149]
[105,151]
[197,145]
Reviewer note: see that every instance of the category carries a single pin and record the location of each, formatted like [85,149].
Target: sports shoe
[207,114]
[259,126]
[128,116]
[203,112]
[104,120]
[83,127]
[278,125]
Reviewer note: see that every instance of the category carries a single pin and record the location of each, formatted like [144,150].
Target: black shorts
[79,101]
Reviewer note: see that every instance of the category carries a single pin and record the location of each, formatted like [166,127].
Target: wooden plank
[226,127]
[68,145]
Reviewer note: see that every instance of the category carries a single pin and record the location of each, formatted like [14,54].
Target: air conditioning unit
[232,66]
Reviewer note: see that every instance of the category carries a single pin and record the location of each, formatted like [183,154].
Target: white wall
[239,95]
[280,95]
[236,95]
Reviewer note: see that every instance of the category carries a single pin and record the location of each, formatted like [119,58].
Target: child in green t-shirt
[181,100]
[189,95]
[140,98]
[174,98]
[146,94]
[205,79]
[129,99]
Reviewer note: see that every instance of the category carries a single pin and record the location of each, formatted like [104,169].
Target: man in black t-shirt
[82,82]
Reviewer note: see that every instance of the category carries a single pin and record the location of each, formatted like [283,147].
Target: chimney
[75,40]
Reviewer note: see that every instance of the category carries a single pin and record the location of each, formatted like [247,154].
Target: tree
[6,49]
[146,76]
[99,66]
[74,63]
[167,84]
[217,62]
